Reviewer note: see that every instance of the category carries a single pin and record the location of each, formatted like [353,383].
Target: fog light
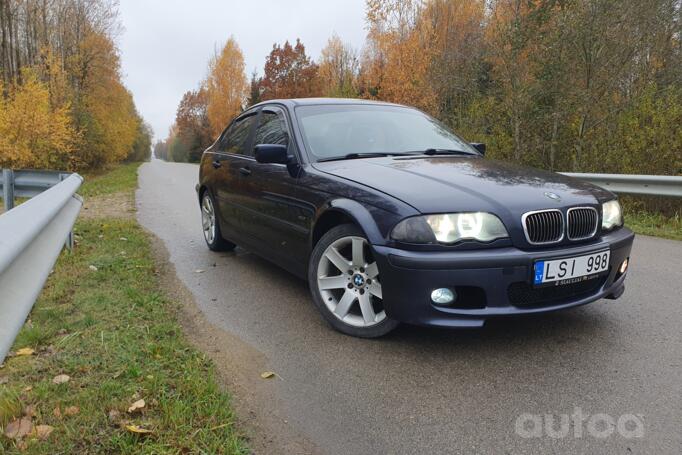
[624,267]
[443,296]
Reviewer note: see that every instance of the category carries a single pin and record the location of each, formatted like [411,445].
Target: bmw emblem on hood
[553,196]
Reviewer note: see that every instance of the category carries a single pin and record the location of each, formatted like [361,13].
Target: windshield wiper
[432,151]
[354,156]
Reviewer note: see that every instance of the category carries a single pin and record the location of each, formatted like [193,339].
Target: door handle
[216,164]
[245,171]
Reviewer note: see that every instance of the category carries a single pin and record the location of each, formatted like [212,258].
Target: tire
[210,226]
[350,300]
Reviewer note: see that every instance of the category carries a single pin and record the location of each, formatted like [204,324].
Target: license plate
[571,270]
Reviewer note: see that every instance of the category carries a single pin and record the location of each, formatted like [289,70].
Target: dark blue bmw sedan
[393,218]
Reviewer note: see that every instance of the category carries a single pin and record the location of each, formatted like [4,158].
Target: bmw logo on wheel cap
[358,280]
[553,196]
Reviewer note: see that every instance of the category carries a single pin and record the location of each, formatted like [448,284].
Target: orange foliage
[400,54]
[289,73]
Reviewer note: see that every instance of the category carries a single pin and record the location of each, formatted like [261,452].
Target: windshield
[334,131]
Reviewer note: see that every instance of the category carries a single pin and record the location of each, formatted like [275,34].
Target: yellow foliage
[105,111]
[32,133]
[338,67]
[227,86]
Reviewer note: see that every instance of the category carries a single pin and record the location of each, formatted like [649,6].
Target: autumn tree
[401,47]
[457,71]
[33,133]
[226,86]
[289,73]
[67,48]
[338,69]
[142,147]
[192,126]
[254,89]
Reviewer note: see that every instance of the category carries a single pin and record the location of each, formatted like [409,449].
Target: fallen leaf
[42,432]
[199,271]
[139,404]
[72,411]
[93,268]
[28,388]
[61,379]
[137,429]
[267,375]
[123,239]
[24,351]
[57,412]
[30,410]
[17,429]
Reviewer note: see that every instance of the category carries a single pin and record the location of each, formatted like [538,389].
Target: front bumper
[490,283]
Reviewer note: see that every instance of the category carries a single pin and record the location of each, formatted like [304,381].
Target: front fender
[376,223]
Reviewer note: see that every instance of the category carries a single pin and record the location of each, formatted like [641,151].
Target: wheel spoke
[339,261]
[333,282]
[372,270]
[368,313]
[375,289]
[358,253]
[344,304]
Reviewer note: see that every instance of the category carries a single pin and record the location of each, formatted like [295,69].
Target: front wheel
[210,226]
[345,284]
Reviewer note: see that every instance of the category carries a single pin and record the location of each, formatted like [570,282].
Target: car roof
[292,102]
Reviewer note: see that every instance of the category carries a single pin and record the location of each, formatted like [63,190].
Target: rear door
[233,157]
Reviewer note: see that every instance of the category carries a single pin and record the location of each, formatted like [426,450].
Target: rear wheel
[210,226]
[345,284]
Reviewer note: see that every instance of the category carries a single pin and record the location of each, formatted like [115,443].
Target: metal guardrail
[26,184]
[31,238]
[651,185]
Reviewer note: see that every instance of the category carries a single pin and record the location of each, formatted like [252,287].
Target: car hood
[441,184]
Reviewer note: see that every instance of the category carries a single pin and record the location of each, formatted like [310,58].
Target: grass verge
[117,179]
[103,321]
[655,224]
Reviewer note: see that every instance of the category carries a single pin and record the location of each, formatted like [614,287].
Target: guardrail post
[8,188]
[69,244]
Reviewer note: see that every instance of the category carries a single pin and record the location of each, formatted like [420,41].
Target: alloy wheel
[348,282]
[208,219]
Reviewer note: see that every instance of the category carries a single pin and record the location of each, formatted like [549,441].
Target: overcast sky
[166,44]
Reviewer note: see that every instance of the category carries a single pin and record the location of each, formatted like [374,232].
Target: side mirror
[479,146]
[271,153]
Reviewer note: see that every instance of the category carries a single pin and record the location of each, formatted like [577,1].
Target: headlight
[450,228]
[612,216]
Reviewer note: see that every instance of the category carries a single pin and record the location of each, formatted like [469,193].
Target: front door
[272,191]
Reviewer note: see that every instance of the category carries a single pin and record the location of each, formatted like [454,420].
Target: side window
[237,137]
[272,129]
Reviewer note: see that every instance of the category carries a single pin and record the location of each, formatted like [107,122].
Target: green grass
[115,334]
[655,224]
[120,178]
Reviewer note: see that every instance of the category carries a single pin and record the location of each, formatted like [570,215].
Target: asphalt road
[423,390]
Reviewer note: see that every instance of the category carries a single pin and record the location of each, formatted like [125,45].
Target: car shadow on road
[556,328]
